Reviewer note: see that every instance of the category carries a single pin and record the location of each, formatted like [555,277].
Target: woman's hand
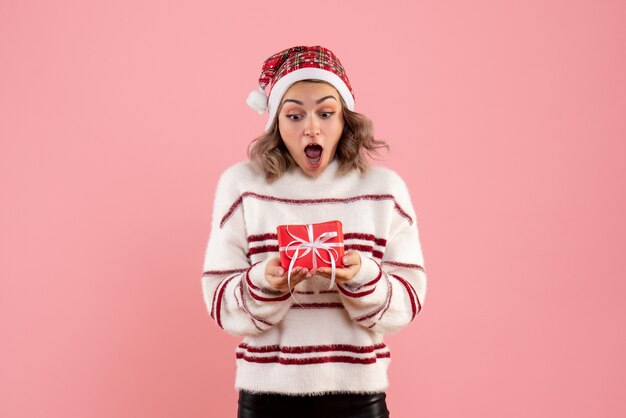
[351,266]
[276,276]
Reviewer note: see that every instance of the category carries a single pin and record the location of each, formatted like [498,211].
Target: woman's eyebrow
[324,98]
[316,102]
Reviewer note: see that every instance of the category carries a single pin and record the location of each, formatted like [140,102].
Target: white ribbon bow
[314,245]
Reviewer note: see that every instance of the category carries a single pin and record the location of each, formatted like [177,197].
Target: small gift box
[311,246]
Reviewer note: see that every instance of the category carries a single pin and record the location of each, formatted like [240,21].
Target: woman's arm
[236,292]
[386,297]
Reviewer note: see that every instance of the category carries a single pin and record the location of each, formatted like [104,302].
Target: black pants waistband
[341,405]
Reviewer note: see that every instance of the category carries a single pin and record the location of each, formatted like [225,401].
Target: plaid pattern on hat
[291,59]
[294,64]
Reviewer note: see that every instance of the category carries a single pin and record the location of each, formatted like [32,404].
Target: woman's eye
[294,117]
[326,115]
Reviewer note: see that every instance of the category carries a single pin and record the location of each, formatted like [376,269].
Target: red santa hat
[294,64]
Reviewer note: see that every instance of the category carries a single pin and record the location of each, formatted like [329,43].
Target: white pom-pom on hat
[257,100]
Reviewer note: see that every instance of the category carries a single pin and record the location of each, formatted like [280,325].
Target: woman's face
[310,123]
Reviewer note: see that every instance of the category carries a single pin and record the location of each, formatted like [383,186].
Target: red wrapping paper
[290,237]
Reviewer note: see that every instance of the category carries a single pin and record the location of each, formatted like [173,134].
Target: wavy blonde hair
[270,155]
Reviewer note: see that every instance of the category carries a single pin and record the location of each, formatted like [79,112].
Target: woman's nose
[312,126]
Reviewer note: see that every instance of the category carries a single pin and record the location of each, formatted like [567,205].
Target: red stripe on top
[385,305]
[303,349]
[407,265]
[230,211]
[318,305]
[261,298]
[263,249]
[218,308]
[215,297]
[239,201]
[366,237]
[262,237]
[355,294]
[346,236]
[389,296]
[347,247]
[312,360]
[376,279]
[222,272]
[248,277]
[410,291]
[382,242]
[358,247]
[245,308]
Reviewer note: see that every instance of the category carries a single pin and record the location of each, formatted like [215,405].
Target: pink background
[507,120]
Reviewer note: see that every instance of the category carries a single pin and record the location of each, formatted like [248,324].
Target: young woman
[323,356]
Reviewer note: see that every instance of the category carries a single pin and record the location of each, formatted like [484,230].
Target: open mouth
[313,154]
